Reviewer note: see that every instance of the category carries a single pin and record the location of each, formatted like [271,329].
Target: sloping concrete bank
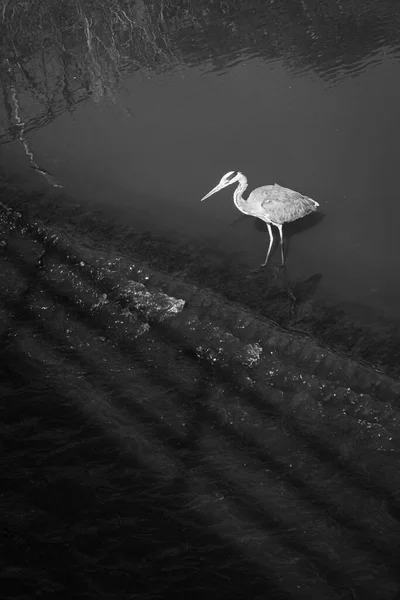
[53,253]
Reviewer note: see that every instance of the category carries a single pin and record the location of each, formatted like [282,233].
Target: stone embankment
[45,268]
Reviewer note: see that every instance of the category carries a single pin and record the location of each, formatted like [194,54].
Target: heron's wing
[281,205]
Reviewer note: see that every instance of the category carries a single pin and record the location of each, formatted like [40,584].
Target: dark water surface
[139,472]
[319,116]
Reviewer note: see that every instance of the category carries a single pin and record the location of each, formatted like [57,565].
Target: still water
[327,129]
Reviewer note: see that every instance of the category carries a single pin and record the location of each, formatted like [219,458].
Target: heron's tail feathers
[313,203]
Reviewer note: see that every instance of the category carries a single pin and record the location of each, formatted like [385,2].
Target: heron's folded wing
[282,205]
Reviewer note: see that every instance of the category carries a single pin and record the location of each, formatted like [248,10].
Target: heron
[273,204]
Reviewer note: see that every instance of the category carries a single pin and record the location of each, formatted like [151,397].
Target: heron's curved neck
[238,199]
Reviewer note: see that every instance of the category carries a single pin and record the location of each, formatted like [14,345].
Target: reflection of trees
[57,52]
[46,84]
[100,36]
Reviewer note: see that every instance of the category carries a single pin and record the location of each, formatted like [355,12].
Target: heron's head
[226,180]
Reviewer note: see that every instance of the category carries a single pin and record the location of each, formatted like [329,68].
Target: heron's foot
[264,264]
[274,270]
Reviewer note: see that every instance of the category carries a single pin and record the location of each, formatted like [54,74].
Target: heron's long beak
[213,191]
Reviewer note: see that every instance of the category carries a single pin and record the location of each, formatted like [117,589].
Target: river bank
[266,293]
[188,368]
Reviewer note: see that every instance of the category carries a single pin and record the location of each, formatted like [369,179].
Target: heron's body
[273,204]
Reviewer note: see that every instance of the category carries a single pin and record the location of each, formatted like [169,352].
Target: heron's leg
[271,241]
[282,246]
